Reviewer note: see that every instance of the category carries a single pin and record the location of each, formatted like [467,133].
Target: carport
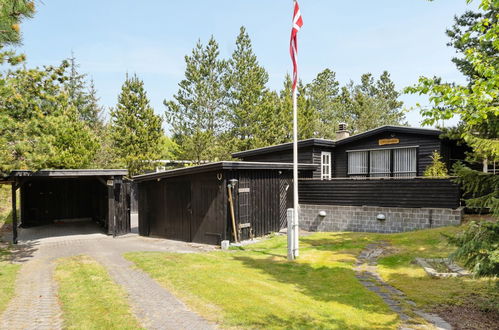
[52,196]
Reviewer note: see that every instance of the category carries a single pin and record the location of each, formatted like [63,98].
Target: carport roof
[68,173]
[223,166]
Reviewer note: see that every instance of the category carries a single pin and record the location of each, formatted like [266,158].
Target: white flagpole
[296,228]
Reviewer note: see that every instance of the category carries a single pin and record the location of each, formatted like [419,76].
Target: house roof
[285,146]
[388,128]
[68,173]
[221,166]
[333,143]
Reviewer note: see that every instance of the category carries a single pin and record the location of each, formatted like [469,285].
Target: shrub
[437,168]
[478,248]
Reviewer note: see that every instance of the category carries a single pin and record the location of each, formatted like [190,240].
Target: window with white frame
[397,162]
[325,165]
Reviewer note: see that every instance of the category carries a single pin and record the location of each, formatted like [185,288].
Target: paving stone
[390,295]
[36,306]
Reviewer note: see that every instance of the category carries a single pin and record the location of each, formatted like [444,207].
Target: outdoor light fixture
[233,182]
[322,213]
[381,217]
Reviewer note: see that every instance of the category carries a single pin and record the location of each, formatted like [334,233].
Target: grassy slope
[8,272]
[399,270]
[89,298]
[258,288]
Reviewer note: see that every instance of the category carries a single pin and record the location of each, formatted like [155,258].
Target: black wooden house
[387,151]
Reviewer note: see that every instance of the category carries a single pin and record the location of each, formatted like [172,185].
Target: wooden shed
[48,196]
[192,204]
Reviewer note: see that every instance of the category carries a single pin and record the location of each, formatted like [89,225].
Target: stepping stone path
[367,274]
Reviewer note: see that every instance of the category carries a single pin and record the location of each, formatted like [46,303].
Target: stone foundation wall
[363,218]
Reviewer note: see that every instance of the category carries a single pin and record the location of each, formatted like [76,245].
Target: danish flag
[293,48]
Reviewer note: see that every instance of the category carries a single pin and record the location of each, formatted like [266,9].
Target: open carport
[69,196]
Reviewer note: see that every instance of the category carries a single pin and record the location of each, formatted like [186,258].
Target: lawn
[257,287]
[89,298]
[8,272]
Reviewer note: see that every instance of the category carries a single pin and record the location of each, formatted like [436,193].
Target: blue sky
[151,38]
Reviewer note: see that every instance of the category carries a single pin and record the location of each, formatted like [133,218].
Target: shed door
[177,224]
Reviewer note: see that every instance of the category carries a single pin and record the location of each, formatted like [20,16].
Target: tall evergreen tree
[245,82]
[83,96]
[374,103]
[136,131]
[307,116]
[196,114]
[324,97]
[39,127]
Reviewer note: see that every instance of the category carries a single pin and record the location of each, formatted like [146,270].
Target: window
[325,165]
[404,164]
[398,162]
[379,163]
[357,163]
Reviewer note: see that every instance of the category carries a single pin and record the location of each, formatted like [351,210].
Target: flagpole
[296,206]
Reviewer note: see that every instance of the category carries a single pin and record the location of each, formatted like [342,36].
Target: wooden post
[110,208]
[14,213]
[231,204]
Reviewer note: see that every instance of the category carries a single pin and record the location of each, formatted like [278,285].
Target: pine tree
[12,13]
[197,113]
[83,96]
[136,130]
[373,103]
[39,127]
[307,115]
[323,93]
[245,82]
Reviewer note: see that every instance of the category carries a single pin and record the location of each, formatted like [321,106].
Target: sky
[151,38]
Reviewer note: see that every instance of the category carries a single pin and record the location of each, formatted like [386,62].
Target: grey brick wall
[363,218]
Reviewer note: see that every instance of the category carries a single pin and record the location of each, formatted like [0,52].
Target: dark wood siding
[438,193]
[305,156]
[208,208]
[427,144]
[189,208]
[260,200]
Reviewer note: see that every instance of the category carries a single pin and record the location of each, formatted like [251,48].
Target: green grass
[89,297]
[8,273]
[5,205]
[400,270]
[255,287]
[258,288]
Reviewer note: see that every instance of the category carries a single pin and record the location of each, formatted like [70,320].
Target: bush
[437,168]
[478,248]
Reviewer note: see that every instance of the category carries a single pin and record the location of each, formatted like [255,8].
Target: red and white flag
[293,48]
